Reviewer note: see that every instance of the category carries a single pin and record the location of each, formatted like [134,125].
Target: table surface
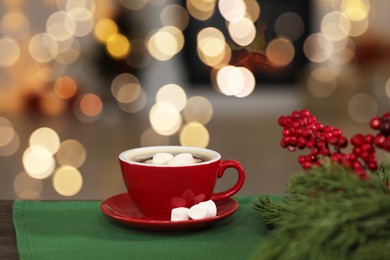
[8,249]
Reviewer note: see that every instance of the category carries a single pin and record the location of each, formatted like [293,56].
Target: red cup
[157,189]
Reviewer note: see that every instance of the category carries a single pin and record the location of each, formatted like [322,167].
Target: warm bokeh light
[173,94]
[242,31]
[280,52]
[249,83]
[318,47]
[200,9]
[65,87]
[69,53]
[118,46]
[322,82]
[51,105]
[150,137]
[126,88]
[387,88]
[212,47]
[9,147]
[46,137]
[335,25]
[72,153]
[15,25]
[88,108]
[362,107]
[26,187]
[358,27]
[194,134]
[9,52]
[43,48]
[198,109]
[134,4]
[174,15]
[232,10]
[60,25]
[7,131]
[38,162]
[355,10]
[253,9]
[165,43]
[289,25]
[104,29]
[165,118]
[84,21]
[136,105]
[67,181]
[230,80]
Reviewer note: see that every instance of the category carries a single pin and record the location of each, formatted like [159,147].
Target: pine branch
[329,213]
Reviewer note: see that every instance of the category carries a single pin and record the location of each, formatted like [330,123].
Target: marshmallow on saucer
[180,214]
[161,158]
[211,207]
[182,159]
[198,211]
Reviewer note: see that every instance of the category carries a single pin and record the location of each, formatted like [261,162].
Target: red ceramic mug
[157,189]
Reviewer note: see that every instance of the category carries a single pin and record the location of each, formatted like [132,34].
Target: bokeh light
[26,187]
[165,118]
[289,25]
[387,88]
[165,43]
[355,10]
[134,4]
[280,52]
[118,46]
[200,9]
[198,109]
[194,134]
[362,107]
[9,52]
[232,10]
[173,94]
[61,26]
[65,87]
[88,107]
[15,25]
[9,138]
[253,9]
[230,80]
[174,15]
[67,181]
[318,47]
[47,138]
[71,152]
[242,31]
[335,25]
[104,29]
[43,48]
[322,82]
[126,88]
[38,162]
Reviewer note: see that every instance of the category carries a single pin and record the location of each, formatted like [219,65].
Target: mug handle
[237,186]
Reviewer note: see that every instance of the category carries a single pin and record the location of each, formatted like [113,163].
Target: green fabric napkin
[79,230]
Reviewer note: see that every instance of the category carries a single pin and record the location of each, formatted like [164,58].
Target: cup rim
[123,156]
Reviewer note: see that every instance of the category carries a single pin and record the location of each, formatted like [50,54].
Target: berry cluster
[302,130]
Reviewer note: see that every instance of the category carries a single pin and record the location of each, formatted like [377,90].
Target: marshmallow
[211,207]
[180,214]
[182,159]
[162,158]
[198,211]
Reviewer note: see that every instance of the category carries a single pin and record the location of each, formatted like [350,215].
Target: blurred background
[83,80]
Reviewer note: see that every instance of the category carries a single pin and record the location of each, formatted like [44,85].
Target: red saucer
[121,208]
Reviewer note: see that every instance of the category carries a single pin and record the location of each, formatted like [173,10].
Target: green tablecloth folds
[79,230]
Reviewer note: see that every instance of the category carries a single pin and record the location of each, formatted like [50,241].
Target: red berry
[374,123]
[357,140]
[379,140]
[386,144]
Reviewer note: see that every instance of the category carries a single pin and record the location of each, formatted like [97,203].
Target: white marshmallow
[211,207]
[162,158]
[182,159]
[198,211]
[180,214]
